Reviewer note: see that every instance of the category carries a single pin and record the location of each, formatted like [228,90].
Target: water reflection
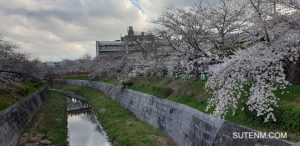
[83,127]
[74,104]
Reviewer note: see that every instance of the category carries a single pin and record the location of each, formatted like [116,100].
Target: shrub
[128,83]
[184,92]
[162,92]
[288,117]
[23,92]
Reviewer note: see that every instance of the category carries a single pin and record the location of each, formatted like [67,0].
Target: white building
[53,64]
[127,43]
[108,47]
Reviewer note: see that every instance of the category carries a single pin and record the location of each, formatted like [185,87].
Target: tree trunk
[293,74]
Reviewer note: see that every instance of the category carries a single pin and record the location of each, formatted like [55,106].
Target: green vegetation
[112,80]
[293,95]
[19,91]
[76,78]
[6,101]
[51,119]
[30,87]
[122,127]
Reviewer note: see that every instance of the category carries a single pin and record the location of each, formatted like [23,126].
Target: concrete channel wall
[186,126]
[14,119]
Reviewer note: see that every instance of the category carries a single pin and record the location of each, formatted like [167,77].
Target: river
[83,127]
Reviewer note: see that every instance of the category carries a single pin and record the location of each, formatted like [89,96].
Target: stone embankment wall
[187,126]
[14,119]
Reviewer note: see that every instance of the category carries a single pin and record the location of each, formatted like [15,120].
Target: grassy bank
[193,94]
[122,127]
[112,80]
[76,77]
[20,90]
[50,121]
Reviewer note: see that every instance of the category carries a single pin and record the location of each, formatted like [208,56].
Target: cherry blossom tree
[16,66]
[202,33]
[260,67]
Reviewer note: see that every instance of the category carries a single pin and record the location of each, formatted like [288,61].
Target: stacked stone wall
[14,119]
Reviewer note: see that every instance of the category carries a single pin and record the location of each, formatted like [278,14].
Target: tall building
[127,44]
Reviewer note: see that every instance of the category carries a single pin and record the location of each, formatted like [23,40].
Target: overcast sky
[52,30]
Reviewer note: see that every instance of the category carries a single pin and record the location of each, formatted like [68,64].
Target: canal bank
[121,125]
[64,121]
[49,125]
[184,124]
[83,126]
[14,119]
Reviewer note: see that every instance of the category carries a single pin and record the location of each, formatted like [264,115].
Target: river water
[83,127]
